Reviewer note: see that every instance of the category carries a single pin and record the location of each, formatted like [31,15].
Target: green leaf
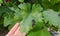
[21,0]
[7,21]
[26,24]
[8,18]
[1,20]
[46,4]
[25,7]
[37,16]
[4,9]
[52,17]
[11,26]
[56,7]
[15,9]
[38,26]
[18,16]
[36,12]
[36,8]
[1,1]
[54,1]
[42,32]
[18,13]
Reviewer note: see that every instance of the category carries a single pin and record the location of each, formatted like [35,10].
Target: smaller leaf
[25,6]
[36,8]
[1,1]
[52,17]
[10,26]
[21,0]
[46,4]
[5,10]
[37,16]
[38,26]
[26,24]
[54,1]
[8,18]
[43,32]
[7,21]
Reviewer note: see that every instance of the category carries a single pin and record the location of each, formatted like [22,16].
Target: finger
[17,33]
[8,35]
[14,29]
[24,34]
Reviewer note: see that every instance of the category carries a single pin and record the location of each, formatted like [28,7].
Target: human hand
[15,31]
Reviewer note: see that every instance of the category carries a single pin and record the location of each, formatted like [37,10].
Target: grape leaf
[26,24]
[52,17]
[11,25]
[36,8]
[18,15]
[21,0]
[46,4]
[56,7]
[38,26]
[15,9]
[25,7]
[1,20]
[4,9]
[36,12]
[54,1]
[1,1]
[37,16]
[7,15]
[8,18]
[42,32]
[7,21]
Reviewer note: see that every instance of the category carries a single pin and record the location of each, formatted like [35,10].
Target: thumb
[24,34]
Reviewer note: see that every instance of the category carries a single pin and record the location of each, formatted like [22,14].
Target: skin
[15,31]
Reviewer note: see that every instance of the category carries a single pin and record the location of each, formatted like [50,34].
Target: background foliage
[34,16]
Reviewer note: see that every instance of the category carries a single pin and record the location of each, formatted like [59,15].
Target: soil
[3,30]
